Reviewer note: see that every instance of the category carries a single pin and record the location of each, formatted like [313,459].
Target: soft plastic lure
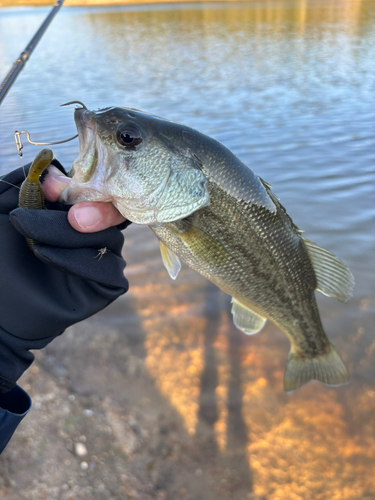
[31,192]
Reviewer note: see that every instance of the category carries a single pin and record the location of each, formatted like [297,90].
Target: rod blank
[23,58]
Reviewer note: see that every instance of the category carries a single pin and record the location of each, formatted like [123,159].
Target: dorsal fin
[170,260]
[333,276]
[246,320]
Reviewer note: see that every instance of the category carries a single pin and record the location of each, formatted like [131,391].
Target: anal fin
[170,260]
[328,368]
[245,319]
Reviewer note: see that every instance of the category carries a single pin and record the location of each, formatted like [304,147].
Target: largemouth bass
[210,210]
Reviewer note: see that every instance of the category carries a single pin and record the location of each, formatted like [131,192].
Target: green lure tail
[31,192]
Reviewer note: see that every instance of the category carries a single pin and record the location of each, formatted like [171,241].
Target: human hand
[64,280]
[85,217]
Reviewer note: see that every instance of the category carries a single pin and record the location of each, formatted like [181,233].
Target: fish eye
[129,137]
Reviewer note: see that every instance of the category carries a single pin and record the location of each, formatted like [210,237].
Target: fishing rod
[23,58]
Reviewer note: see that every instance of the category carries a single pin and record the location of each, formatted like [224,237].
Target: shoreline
[99,3]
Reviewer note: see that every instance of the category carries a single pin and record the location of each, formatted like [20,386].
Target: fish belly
[257,258]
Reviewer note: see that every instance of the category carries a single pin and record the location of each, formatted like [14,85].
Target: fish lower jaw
[143,217]
[76,193]
[149,216]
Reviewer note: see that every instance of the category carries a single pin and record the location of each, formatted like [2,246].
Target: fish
[211,211]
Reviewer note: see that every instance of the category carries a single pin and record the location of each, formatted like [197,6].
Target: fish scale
[257,282]
[211,211]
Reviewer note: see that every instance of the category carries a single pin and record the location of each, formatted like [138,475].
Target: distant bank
[76,3]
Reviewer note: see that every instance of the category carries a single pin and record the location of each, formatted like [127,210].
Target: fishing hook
[74,102]
[17,134]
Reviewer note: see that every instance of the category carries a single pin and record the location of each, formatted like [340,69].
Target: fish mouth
[86,129]
[88,169]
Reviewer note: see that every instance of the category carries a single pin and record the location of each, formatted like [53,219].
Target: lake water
[290,88]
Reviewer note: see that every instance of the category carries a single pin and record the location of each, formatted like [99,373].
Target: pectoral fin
[245,319]
[333,276]
[170,260]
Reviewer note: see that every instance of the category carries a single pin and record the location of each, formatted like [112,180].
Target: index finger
[54,183]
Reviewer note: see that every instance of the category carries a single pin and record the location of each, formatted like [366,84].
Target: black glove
[69,277]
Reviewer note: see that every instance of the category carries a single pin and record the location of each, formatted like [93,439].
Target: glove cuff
[15,357]
[5,385]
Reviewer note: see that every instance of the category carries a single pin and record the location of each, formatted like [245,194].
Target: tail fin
[327,368]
